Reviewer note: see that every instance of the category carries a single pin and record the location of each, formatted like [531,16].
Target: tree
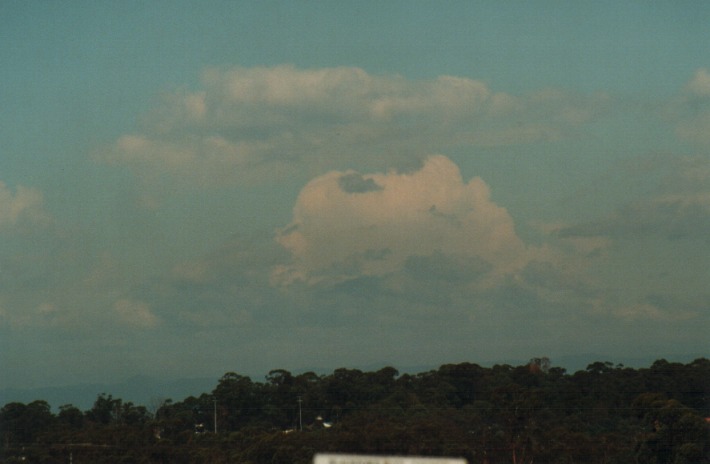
[237,401]
[676,433]
[70,416]
[105,410]
[21,424]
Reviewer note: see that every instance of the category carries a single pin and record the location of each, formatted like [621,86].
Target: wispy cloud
[656,308]
[247,123]
[678,206]
[136,314]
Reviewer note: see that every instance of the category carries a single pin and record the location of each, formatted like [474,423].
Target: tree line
[532,413]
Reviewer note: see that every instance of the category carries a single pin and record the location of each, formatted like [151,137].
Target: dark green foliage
[504,414]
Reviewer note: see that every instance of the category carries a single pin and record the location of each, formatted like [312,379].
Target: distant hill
[140,390]
[574,363]
[148,391]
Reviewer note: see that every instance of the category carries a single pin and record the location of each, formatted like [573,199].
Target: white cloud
[254,122]
[337,230]
[699,85]
[23,204]
[135,313]
[691,111]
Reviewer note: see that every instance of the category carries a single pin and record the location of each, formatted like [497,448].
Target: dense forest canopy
[538,413]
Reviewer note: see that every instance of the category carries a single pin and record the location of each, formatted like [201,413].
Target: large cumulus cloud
[346,224]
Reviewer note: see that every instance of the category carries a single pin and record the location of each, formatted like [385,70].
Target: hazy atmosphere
[189,188]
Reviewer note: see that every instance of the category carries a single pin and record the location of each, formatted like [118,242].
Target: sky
[189,188]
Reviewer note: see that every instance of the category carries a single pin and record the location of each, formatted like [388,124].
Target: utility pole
[300,418]
[215,417]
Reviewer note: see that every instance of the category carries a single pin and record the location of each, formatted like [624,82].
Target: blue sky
[190,188]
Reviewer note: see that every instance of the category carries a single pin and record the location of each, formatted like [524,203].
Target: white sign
[364,459]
